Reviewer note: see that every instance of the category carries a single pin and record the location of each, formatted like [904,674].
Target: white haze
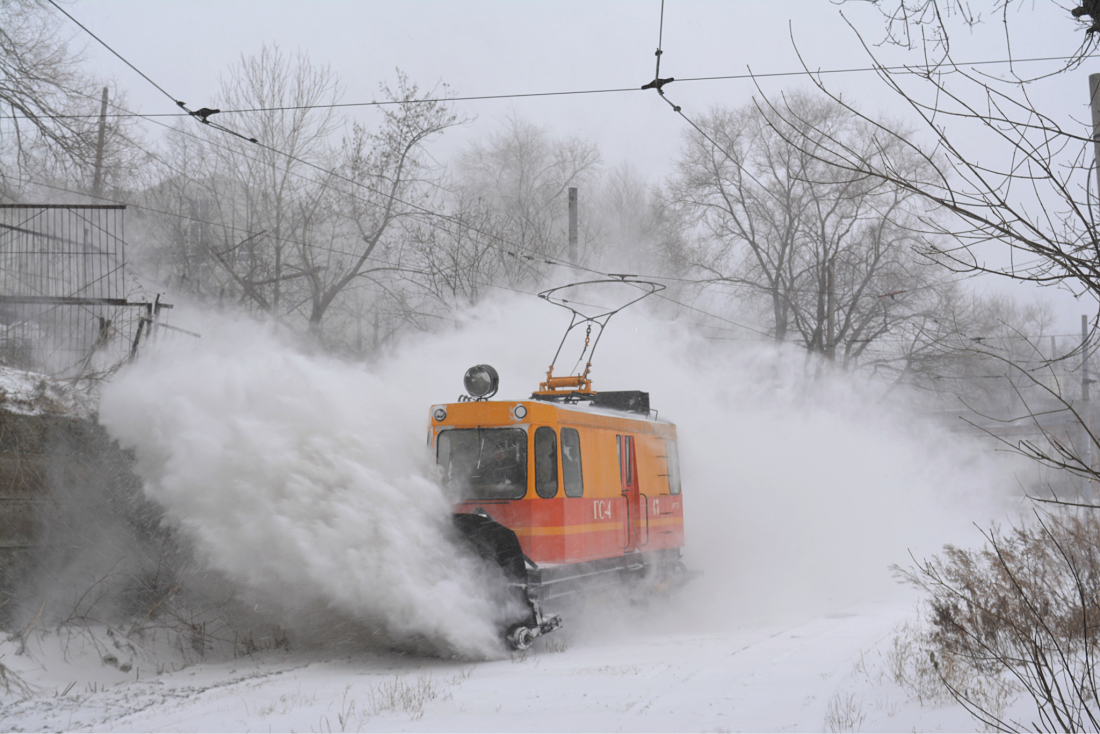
[306,479]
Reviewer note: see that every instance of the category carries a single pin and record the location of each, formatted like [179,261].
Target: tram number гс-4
[601,510]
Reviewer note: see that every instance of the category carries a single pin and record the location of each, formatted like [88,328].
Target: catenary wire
[106,46]
[397,266]
[908,69]
[534,256]
[546,259]
[533,253]
[914,69]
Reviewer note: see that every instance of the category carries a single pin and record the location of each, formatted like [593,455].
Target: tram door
[628,473]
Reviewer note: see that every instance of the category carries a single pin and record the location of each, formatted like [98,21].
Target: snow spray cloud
[307,476]
[305,479]
[799,491]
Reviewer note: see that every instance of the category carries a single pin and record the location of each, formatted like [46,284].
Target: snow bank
[32,393]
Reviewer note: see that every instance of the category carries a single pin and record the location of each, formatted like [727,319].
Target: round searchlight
[481,381]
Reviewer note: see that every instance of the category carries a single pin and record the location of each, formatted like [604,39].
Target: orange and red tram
[567,491]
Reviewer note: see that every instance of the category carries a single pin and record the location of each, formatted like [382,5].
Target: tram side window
[673,466]
[624,443]
[571,462]
[546,462]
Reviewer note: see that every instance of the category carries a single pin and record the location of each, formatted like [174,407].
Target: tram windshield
[484,463]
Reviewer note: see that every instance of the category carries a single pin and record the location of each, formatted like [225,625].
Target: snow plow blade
[499,545]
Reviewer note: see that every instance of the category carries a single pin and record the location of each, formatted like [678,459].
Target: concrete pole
[97,184]
[830,307]
[1086,413]
[573,254]
[1094,103]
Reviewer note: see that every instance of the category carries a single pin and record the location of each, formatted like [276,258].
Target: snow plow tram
[568,491]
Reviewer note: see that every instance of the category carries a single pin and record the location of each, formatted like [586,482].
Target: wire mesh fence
[64,306]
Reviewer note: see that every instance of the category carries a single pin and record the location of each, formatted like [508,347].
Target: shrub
[1022,612]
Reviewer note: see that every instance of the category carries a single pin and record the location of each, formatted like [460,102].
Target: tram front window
[484,463]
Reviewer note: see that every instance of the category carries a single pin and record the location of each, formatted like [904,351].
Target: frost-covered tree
[50,108]
[301,216]
[826,256]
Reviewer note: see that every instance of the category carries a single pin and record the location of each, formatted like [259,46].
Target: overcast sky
[500,48]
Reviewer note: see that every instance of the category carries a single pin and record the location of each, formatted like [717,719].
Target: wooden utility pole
[573,255]
[97,183]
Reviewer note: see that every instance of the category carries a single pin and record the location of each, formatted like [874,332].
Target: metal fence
[64,305]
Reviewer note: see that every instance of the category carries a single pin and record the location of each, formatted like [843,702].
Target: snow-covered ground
[31,393]
[830,672]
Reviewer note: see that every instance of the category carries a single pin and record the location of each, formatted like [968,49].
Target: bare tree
[1005,173]
[263,194]
[49,107]
[1006,191]
[829,254]
[382,175]
[1012,193]
[929,25]
[312,215]
[456,261]
[178,215]
[635,227]
[499,220]
[523,174]
[1021,614]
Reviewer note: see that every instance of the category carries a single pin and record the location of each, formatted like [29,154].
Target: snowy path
[752,678]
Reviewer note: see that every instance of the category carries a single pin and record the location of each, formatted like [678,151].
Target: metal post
[97,184]
[830,306]
[573,259]
[1086,413]
[1094,103]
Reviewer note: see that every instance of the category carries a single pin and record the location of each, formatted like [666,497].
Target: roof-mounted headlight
[481,381]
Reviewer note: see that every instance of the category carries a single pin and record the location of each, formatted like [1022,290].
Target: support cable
[201,115]
[658,83]
[908,69]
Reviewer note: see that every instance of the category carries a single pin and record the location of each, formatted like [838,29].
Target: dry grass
[14,685]
[399,695]
[1019,616]
[844,713]
[395,695]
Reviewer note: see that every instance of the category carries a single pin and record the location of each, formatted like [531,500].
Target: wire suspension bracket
[658,83]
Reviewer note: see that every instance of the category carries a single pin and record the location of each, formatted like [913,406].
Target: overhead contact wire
[200,115]
[535,256]
[202,118]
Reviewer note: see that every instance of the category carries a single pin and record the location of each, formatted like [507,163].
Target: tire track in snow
[42,713]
